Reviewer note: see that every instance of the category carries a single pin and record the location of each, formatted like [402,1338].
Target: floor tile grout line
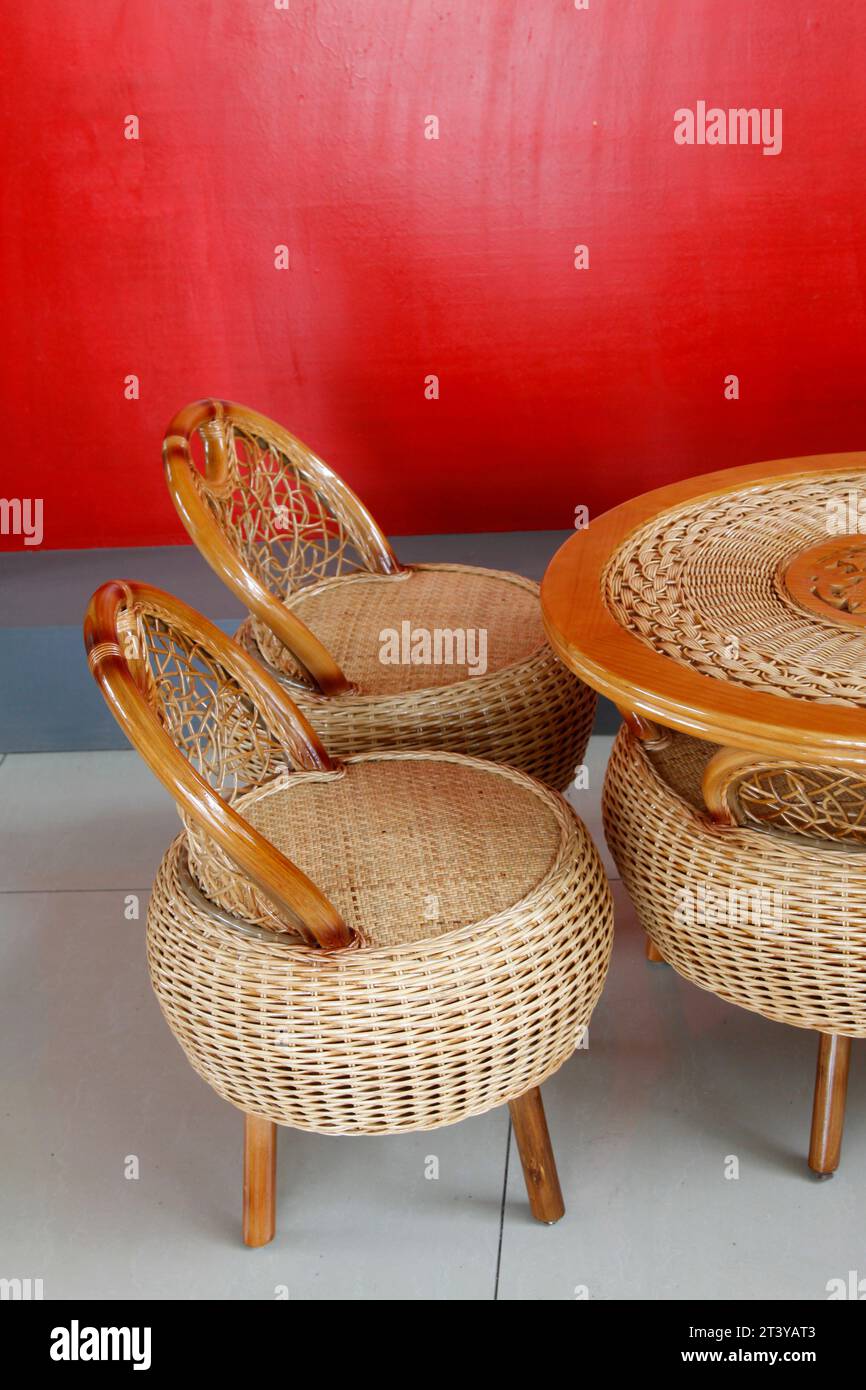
[502,1212]
[35,892]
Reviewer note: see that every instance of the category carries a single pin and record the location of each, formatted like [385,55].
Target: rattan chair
[748,874]
[323,588]
[393,942]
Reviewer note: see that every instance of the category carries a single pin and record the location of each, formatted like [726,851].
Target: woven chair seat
[776,795]
[351,612]
[406,848]
[526,709]
[486,927]
[769,922]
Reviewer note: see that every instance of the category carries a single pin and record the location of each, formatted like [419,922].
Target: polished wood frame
[615,662]
[283,882]
[828,1106]
[209,418]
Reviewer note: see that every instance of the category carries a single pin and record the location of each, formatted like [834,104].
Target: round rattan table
[725,616]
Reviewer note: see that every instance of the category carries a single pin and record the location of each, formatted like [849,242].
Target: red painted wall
[412,256]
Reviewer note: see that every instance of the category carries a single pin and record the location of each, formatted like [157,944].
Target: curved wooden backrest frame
[724,774]
[121,674]
[721,775]
[199,497]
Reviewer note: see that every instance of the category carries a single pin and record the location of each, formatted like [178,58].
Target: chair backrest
[786,796]
[270,517]
[210,722]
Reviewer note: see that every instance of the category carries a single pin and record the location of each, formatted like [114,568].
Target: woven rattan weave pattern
[478,920]
[680,761]
[775,925]
[354,614]
[215,722]
[532,714]
[535,716]
[720,613]
[822,803]
[701,584]
[406,846]
[322,586]
[288,513]
[428,1023]
[791,798]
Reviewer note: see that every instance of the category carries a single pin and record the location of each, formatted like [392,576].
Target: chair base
[828,1107]
[536,716]
[533,1145]
[260,1180]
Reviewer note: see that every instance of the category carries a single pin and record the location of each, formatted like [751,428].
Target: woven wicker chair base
[773,923]
[492,939]
[526,709]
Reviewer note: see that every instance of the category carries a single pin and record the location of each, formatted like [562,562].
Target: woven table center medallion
[830,579]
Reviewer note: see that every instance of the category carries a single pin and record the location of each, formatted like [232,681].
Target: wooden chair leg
[653,952]
[536,1155]
[828,1109]
[260,1180]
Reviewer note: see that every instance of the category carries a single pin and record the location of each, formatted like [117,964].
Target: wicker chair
[384,667]
[748,874]
[433,947]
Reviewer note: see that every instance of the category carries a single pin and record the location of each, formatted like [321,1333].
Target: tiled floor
[643,1122]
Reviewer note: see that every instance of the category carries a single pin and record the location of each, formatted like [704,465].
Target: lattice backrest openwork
[210,723]
[787,797]
[270,518]
[211,718]
[824,803]
[290,518]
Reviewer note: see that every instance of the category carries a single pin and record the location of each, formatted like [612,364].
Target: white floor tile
[673,1083]
[587,801]
[81,820]
[92,1076]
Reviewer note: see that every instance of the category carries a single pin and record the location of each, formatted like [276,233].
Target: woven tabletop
[730,606]
[704,584]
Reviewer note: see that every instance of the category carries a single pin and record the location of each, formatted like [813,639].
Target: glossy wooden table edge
[618,664]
